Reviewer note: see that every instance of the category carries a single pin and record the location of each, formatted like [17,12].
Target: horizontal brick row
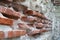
[34,32]
[37,32]
[37,25]
[12,34]
[32,19]
[34,13]
[28,19]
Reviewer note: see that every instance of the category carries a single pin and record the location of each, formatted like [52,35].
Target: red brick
[12,12]
[28,19]
[9,13]
[24,18]
[19,33]
[10,34]
[2,35]
[23,26]
[16,33]
[34,13]
[4,21]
